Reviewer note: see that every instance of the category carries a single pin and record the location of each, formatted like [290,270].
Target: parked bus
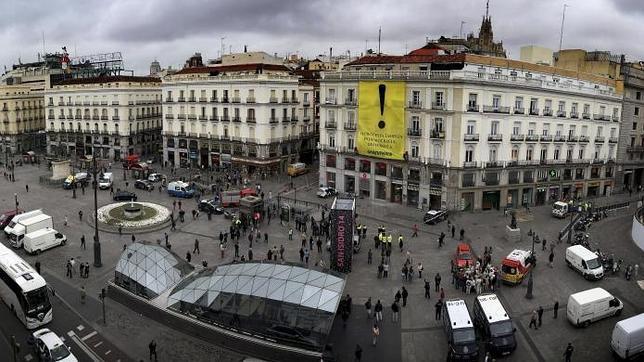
[23,290]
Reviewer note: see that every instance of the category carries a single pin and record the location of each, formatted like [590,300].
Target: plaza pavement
[417,337]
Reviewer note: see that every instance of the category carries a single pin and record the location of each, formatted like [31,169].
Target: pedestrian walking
[222,250]
[82,245]
[27,188]
[196,248]
[543,247]
[378,311]
[369,255]
[133,237]
[358,353]
[533,320]
[367,306]
[427,289]
[394,311]
[453,231]
[636,270]
[375,333]
[551,257]
[188,256]
[420,270]
[462,234]
[65,220]
[555,309]
[540,314]
[405,294]
[437,282]
[568,353]
[438,307]
[415,234]
[153,350]
[442,295]
[83,294]
[80,215]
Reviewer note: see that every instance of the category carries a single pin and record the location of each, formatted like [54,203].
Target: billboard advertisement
[381,119]
[341,222]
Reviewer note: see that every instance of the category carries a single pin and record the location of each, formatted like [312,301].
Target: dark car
[124,196]
[210,206]
[434,216]
[143,185]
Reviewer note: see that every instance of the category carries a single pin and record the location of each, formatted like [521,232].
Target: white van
[584,261]
[628,337]
[16,219]
[592,305]
[106,181]
[560,209]
[27,226]
[43,239]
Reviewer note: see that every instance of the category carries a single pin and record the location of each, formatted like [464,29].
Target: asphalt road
[64,321]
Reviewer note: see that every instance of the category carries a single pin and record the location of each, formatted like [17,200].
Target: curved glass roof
[285,283]
[152,267]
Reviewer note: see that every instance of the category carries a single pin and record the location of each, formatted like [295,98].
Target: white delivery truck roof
[632,324]
[590,295]
[458,313]
[492,308]
[584,253]
[41,232]
[35,219]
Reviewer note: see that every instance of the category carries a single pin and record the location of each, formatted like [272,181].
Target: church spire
[487,9]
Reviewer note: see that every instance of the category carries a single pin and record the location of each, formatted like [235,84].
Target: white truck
[16,219]
[105,182]
[592,305]
[27,226]
[43,239]
[628,337]
[584,261]
[560,209]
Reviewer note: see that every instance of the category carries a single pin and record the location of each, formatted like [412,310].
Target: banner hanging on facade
[381,119]
[341,222]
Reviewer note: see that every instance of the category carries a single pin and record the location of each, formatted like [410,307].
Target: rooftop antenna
[379,33]
[563,19]
[460,32]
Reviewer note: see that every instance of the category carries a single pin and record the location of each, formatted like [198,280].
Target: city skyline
[170,32]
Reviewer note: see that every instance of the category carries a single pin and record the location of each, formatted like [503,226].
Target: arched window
[514,153]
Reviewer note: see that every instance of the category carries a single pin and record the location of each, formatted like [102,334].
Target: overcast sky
[172,30]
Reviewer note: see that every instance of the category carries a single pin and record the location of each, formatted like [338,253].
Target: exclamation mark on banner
[381,90]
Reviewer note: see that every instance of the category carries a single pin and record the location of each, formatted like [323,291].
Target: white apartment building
[252,115]
[481,132]
[110,117]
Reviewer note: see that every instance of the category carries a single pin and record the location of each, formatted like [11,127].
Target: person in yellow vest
[389,239]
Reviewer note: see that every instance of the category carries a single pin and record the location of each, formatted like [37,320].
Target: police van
[459,329]
[496,327]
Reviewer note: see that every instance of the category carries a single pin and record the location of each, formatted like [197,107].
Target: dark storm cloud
[171,30]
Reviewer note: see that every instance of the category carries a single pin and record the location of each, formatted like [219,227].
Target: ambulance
[516,265]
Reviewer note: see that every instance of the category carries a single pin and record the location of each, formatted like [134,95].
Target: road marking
[86,349]
[98,344]
[71,333]
[80,327]
[108,352]
[88,336]
[28,357]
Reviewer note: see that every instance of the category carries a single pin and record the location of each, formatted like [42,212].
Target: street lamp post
[97,244]
[15,196]
[528,294]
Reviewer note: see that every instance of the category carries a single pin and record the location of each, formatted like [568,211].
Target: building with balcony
[630,155]
[260,116]
[109,117]
[23,119]
[481,132]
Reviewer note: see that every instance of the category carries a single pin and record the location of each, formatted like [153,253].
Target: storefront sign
[593,184]
[381,119]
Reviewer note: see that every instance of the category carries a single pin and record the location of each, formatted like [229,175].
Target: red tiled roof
[428,49]
[108,79]
[396,59]
[233,68]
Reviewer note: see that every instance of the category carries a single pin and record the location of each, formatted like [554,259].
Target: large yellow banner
[381,119]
